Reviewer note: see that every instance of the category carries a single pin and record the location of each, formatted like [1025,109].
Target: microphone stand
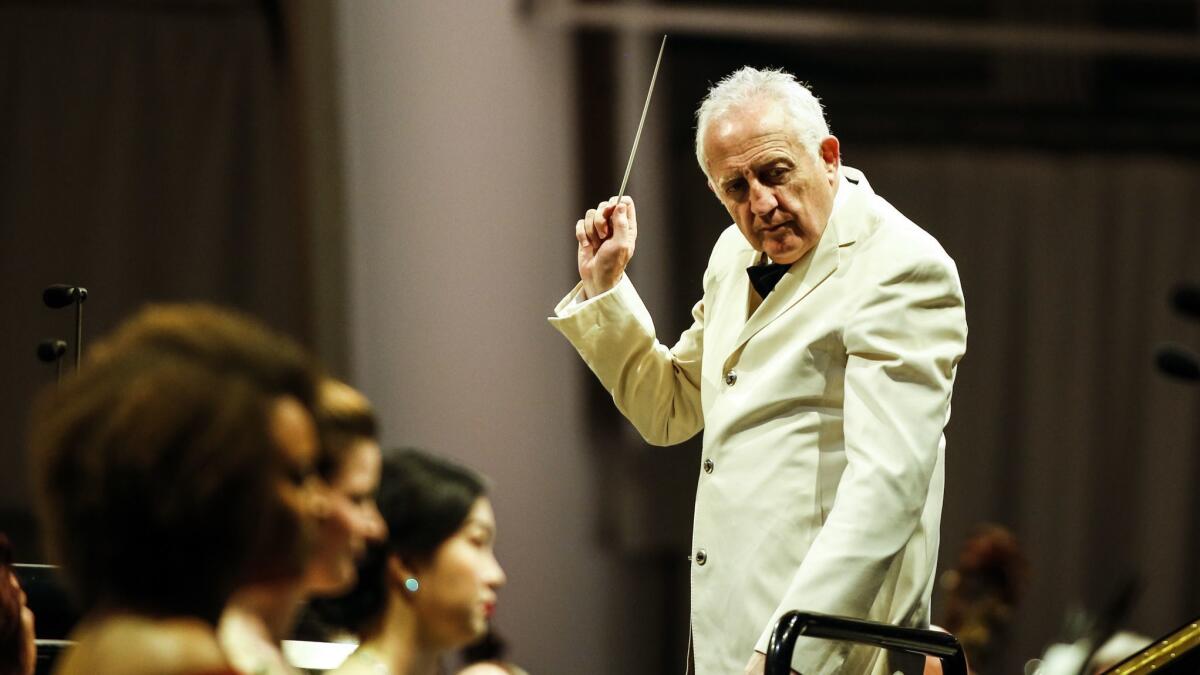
[80,296]
[61,295]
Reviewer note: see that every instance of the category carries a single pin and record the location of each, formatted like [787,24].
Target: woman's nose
[498,578]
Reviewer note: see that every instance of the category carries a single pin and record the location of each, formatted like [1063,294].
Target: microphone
[51,351]
[60,295]
[1185,298]
[1177,362]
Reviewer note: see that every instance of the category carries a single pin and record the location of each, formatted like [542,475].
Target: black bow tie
[765,277]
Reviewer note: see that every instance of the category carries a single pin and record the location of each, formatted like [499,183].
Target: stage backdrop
[148,151]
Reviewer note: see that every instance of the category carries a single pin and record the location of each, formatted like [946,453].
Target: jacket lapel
[816,267]
[800,280]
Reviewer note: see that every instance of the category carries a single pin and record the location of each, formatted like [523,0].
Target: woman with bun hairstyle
[349,462]
[258,616]
[430,588]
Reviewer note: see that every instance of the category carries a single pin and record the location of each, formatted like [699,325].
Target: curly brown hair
[154,465]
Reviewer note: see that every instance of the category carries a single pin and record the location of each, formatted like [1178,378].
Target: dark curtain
[148,151]
[1061,429]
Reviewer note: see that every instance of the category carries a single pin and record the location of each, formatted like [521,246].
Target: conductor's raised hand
[606,235]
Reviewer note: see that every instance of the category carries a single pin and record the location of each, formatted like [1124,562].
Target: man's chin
[785,249]
[784,256]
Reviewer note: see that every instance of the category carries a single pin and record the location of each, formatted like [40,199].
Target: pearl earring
[412,584]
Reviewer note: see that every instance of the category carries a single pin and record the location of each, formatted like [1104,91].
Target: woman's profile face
[299,499]
[457,592]
[352,520]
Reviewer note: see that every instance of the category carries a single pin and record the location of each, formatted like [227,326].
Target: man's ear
[831,154]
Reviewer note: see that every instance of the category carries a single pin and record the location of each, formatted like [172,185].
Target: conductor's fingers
[580,235]
[598,228]
[630,214]
[604,219]
[624,220]
[589,227]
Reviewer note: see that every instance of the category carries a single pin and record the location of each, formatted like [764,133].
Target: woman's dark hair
[424,499]
[155,467]
[12,631]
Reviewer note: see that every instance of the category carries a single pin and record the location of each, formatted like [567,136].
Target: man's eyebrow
[765,162]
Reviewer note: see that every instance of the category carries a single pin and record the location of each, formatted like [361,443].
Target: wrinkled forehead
[758,124]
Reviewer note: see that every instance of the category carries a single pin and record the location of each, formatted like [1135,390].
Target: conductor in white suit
[819,366]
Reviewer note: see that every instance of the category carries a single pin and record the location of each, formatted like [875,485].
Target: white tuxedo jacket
[821,478]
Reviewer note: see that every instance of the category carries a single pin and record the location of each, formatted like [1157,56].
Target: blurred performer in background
[1116,649]
[819,365]
[176,466]
[982,594]
[18,646]
[350,463]
[431,587]
[259,616]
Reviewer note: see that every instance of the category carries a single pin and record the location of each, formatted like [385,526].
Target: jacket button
[708,466]
[731,377]
[701,557]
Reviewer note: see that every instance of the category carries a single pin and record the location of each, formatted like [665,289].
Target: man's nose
[762,199]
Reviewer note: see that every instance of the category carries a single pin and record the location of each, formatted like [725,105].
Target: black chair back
[884,635]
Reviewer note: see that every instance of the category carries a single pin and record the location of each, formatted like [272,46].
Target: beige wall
[457,119]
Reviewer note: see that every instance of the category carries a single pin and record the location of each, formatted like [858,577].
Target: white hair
[749,84]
